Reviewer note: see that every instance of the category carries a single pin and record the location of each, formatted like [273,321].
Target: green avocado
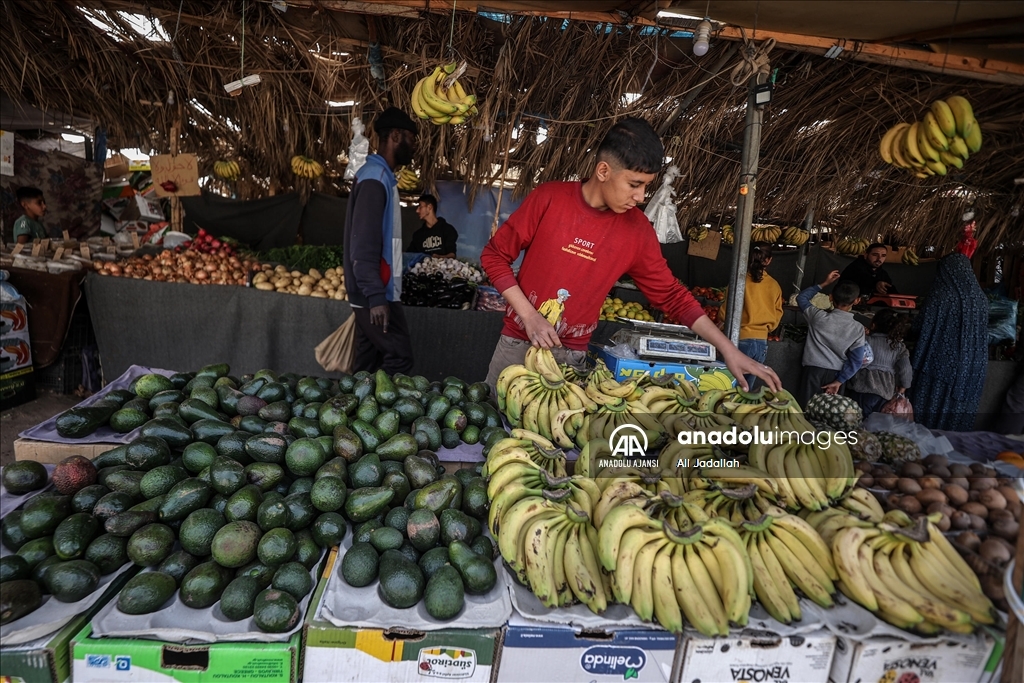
[146,592]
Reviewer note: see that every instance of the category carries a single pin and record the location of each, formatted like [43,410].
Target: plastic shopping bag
[336,353]
[662,210]
[899,406]
[358,150]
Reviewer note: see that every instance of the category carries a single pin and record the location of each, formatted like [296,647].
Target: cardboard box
[894,255]
[52,453]
[107,660]
[141,208]
[892,660]
[48,660]
[533,652]
[332,654]
[624,368]
[758,657]
[116,166]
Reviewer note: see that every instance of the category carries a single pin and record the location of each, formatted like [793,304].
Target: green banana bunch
[226,169]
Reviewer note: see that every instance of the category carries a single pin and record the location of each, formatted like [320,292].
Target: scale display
[660,347]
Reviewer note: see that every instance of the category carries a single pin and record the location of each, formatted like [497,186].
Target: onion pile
[330,285]
[187,265]
[448,268]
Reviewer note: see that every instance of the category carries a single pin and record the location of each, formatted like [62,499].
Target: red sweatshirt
[571,245]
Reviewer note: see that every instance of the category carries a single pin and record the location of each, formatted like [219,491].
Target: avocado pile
[430,548]
[234,485]
[57,538]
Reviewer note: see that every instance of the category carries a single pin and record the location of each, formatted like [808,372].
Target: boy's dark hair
[429,199]
[845,293]
[875,245]
[892,324]
[26,193]
[632,144]
[760,254]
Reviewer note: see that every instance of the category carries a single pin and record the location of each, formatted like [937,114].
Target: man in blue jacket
[373,249]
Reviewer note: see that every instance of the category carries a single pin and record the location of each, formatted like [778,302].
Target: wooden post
[177,215]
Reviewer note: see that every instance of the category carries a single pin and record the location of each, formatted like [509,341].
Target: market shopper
[581,237]
[373,249]
[951,352]
[868,272]
[835,348]
[890,372]
[435,236]
[27,226]
[762,306]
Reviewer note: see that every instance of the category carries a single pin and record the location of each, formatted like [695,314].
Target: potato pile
[980,510]
[330,285]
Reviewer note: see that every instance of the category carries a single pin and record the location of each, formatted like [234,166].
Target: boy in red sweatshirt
[580,238]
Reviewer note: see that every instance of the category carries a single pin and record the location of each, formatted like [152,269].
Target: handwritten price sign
[175,176]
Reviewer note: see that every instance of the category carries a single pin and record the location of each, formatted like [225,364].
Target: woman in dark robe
[951,354]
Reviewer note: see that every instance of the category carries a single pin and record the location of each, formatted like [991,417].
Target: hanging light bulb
[701,39]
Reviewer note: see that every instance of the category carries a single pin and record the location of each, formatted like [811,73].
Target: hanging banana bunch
[441,99]
[305,167]
[226,169]
[408,180]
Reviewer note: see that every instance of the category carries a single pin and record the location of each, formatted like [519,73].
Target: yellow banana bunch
[909,257]
[226,169]
[539,449]
[795,236]
[765,233]
[697,233]
[852,246]
[441,99]
[908,574]
[668,560]
[943,139]
[787,553]
[305,167]
[408,180]
[728,237]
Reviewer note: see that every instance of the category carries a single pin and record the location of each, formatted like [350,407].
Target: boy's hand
[832,277]
[740,364]
[832,387]
[540,332]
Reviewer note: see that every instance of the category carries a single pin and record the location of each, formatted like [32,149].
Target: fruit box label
[610,660]
[446,662]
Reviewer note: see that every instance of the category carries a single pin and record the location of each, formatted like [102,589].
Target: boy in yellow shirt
[762,306]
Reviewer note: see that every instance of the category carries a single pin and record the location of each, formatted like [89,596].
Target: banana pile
[943,139]
[304,167]
[441,99]
[226,169]
[794,236]
[852,246]
[542,524]
[906,572]
[909,257]
[765,233]
[539,449]
[697,233]
[408,180]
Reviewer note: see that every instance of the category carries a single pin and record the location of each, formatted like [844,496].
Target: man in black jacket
[373,249]
[436,236]
[867,272]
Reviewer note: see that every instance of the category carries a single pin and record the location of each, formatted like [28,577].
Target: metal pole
[802,258]
[744,211]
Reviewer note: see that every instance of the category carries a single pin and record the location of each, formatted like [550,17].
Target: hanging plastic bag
[661,211]
[358,150]
[338,350]
[899,406]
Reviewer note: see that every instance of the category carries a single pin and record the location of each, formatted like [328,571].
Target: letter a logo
[625,443]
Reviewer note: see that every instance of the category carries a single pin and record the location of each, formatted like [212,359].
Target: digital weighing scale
[662,341]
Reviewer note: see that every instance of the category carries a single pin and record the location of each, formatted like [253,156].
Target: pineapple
[834,411]
[868,447]
[897,449]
